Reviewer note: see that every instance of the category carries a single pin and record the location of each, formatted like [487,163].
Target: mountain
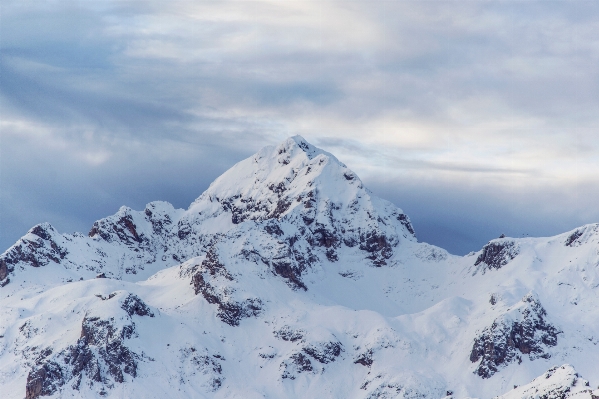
[287,278]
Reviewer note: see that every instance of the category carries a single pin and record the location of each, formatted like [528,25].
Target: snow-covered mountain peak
[302,191]
[582,235]
[298,181]
[288,278]
[267,184]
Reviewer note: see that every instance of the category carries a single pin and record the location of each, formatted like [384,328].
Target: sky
[477,118]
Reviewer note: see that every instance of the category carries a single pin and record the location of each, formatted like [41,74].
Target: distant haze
[475,118]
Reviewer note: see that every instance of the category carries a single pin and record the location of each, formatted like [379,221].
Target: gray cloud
[433,103]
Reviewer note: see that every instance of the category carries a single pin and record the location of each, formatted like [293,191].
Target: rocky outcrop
[213,281]
[4,271]
[133,305]
[559,382]
[123,228]
[365,358]
[324,352]
[522,331]
[301,361]
[581,235]
[286,333]
[37,248]
[122,243]
[497,253]
[99,356]
[296,364]
[574,238]
[203,366]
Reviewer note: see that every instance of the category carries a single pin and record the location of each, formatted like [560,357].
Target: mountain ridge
[287,278]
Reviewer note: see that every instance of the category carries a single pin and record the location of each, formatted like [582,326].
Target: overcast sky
[477,118]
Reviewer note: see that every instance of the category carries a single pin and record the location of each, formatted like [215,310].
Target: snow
[350,304]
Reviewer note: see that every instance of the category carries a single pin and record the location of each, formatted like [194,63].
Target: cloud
[113,103]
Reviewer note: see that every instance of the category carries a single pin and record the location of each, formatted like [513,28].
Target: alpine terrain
[287,278]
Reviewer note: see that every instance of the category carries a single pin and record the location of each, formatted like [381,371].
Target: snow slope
[288,278]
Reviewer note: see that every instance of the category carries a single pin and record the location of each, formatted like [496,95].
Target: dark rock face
[291,272]
[285,256]
[132,304]
[124,229]
[100,354]
[43,245]
[378,247]
[35,252]
[161,222]
[325,352]
[298,363]
[3,270]
[44,380]
[405,220]
[42,231]
[523,331]
[111,349]
[301,362]
[286,333]
[573,239]
[365,359]
[208,277]
[497,254]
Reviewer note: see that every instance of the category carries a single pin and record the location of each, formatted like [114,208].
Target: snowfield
[287,278]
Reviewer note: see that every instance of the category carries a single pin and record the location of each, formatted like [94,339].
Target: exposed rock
[44,231]
[285,268]
[405,220]
[132,304]
[297,363]
[212,280]
[104,335]
[378,246]
[123,229]
[100,353]
[365,359]
[203,365]
[286,333]
[37,248]
[573,238]
[158,214]
[497,253]
[300,362]
[3,270]
[44,380]
[522,330]
[325,352]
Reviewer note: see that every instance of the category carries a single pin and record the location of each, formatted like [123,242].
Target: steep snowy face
[298,184]
[557,382]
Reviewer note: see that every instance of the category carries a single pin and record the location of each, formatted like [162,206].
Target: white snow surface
[287,278]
